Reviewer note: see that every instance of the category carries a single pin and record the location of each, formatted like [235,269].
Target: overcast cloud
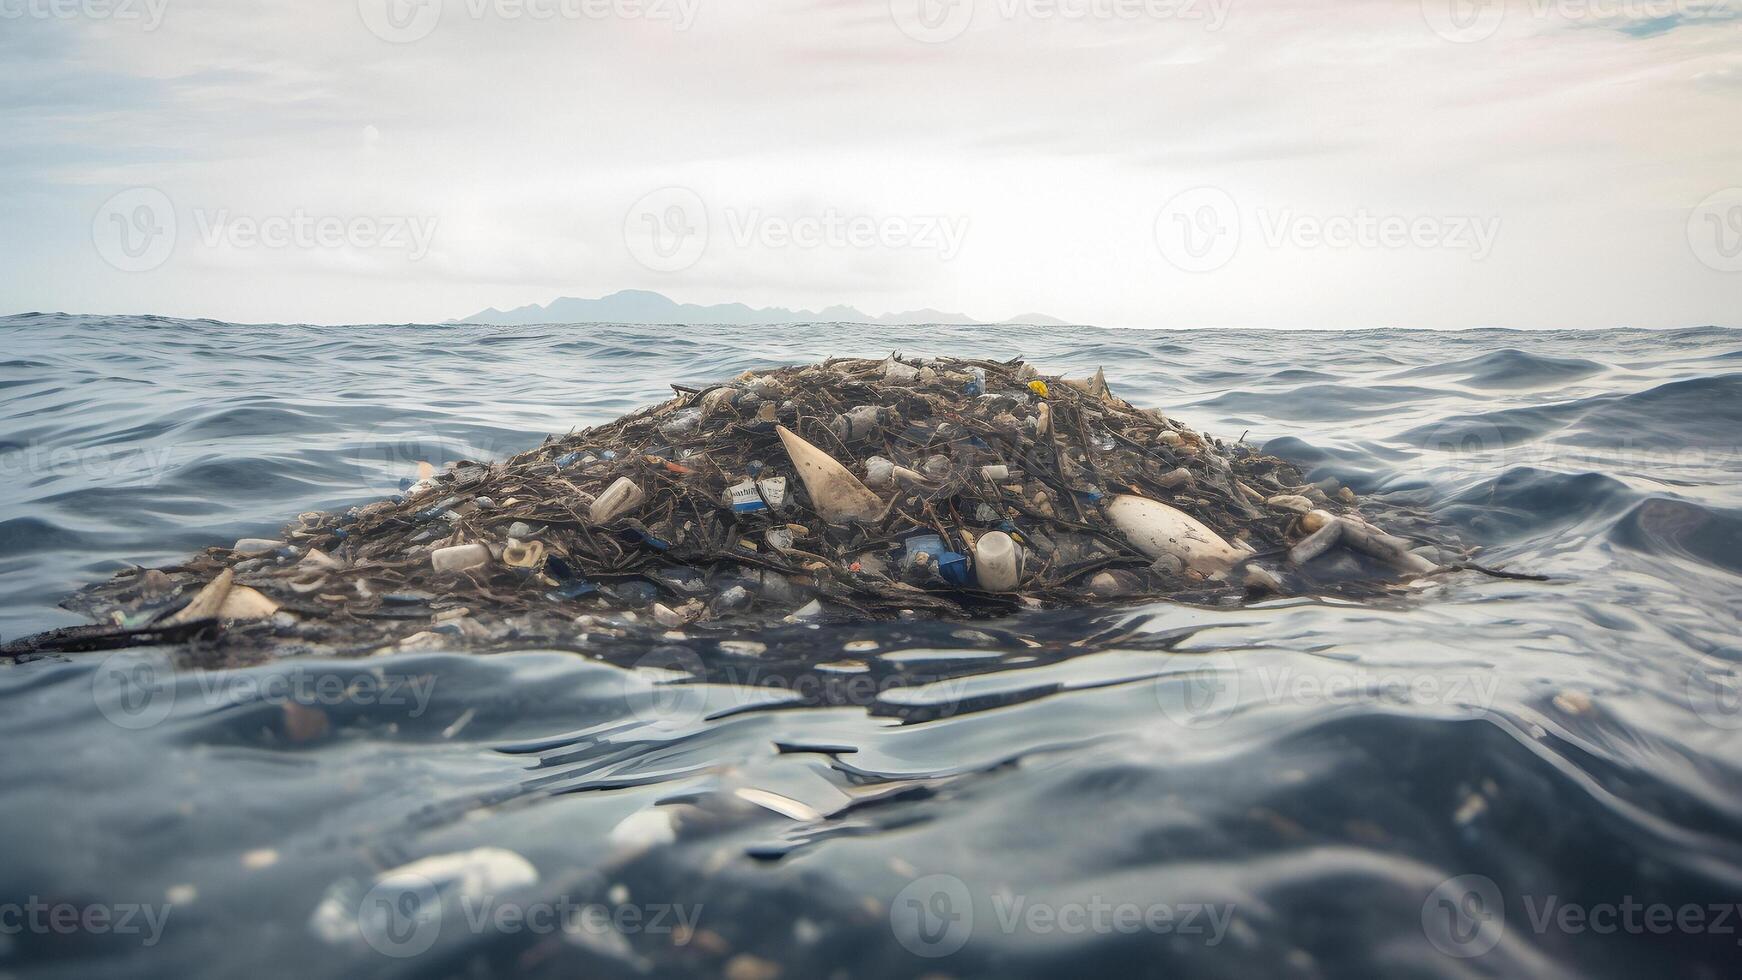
[1121,162]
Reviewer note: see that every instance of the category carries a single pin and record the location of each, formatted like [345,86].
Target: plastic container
[858,423]
[757,495]
[459,557]
[618,499]
[922,544]
[257,546]
[1157,530]
[681,423]
[997,562]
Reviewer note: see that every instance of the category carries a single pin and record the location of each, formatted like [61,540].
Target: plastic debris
[206,602]
[997,563]
[245,603]
[257,546]
[523,554]
[1157,529]
[987,488]
[754,495]
[619,498]
[459,557]
[834,491]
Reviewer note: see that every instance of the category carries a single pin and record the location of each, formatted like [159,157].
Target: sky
[1146,163]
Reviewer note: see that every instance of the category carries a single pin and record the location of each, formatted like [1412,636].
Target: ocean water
[1489,778]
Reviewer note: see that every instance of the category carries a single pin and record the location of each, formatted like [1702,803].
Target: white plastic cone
[835,492]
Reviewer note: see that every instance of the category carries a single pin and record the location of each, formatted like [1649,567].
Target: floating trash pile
[852,489]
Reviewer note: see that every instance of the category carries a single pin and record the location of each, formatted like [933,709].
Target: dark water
[1496,778]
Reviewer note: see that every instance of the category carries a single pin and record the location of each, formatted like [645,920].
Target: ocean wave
[1322,769]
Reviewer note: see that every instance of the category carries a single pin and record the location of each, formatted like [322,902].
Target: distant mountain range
[642,306]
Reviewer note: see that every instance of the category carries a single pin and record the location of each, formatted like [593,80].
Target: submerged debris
[849,489]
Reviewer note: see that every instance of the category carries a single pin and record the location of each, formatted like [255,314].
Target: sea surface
[1487,777]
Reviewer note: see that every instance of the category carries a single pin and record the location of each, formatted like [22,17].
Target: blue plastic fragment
[566,460]
[341,533]
[953,566]
[404,483]
[929,544]
[573,590]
